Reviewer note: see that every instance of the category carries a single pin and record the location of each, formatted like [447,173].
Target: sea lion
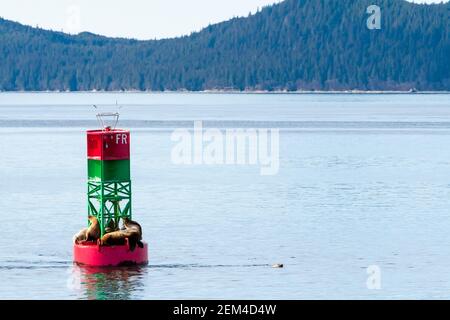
[134,227]
[132,235]
[120,238]
[134,238]
[111,227]
[93,231]
[116,238]
[80,236]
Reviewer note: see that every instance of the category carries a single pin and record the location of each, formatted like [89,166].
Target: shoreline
[282,92]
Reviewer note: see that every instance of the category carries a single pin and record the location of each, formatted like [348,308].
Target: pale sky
[140,19]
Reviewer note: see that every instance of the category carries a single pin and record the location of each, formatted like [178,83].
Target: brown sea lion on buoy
[134,238]
[111,227]
[93,231]
[132,234]
[116,238]
[80,236]
[120,238]
[133,226]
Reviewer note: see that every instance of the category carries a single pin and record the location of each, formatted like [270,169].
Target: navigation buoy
[109,201]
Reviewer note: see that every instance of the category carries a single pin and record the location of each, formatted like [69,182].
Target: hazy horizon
[138,19]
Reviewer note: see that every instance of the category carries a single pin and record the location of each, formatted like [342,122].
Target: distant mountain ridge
[293,45]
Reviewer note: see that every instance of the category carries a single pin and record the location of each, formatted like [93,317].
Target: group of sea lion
[131,232]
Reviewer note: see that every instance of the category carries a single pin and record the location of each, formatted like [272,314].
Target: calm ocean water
[364,181]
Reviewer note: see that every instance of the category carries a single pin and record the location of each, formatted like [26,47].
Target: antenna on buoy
[108,120]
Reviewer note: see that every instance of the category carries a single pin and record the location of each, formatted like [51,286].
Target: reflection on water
[107,283]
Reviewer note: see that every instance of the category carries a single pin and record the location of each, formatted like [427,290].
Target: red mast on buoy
[109,194]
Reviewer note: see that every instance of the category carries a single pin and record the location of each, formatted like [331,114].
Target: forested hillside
[294,45]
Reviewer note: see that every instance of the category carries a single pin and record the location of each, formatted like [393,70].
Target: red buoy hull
[91,254]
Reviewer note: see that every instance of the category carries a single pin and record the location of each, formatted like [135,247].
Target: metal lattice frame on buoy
[109,182]
[109,201]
